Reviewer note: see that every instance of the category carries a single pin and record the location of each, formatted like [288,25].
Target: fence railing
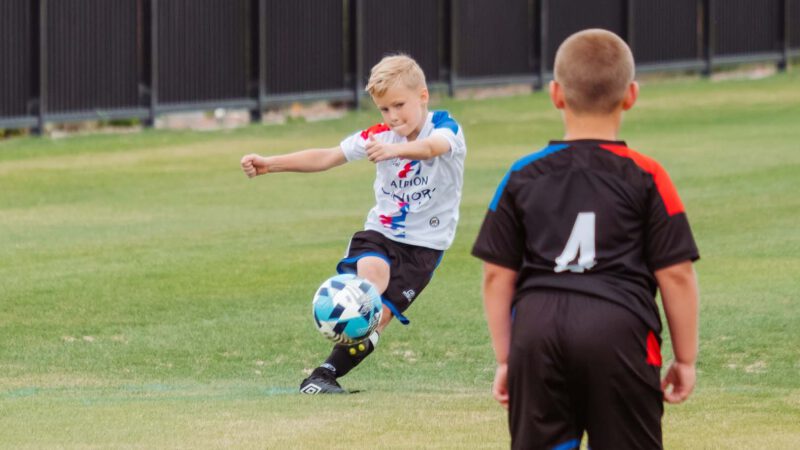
[68,60]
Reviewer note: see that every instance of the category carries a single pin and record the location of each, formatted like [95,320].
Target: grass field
[153,297]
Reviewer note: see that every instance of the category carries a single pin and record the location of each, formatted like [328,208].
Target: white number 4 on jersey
[581,240]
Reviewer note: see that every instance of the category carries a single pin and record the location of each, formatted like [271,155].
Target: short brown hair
[392,69]
[594,68]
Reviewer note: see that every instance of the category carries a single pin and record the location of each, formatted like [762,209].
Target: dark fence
[564,17]
[665,32]
[414,27]
[67,60]
[477,28]
[792,26]
[202,51]
[304,46]
[740,28]
[89,58]
[19,63]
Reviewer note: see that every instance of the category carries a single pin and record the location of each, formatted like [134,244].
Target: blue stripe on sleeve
[442,119]
[522,162]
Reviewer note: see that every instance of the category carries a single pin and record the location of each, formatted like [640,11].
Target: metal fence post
[258,55]
[358,84]
[628,14]
[709,29]
[41,104]
[152,53]
[451,45]
[542,12]
[784,36]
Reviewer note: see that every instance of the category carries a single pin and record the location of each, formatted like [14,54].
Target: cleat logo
[311,388]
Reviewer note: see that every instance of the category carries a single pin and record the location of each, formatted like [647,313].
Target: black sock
[344,357]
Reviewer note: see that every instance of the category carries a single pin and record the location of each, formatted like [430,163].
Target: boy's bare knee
[386,318]
[375,270]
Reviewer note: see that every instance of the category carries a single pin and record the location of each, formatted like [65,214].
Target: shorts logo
[409,294]
[311,389]
[434,222]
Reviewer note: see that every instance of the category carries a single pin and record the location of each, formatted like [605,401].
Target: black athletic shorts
[579,363]
[411,267]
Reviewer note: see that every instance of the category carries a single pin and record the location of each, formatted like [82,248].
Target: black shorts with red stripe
[581,363]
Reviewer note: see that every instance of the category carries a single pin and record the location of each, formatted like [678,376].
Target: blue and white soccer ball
[347,309]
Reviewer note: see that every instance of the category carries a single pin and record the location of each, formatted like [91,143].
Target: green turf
[152,296]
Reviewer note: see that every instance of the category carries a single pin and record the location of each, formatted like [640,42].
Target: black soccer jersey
[588,216]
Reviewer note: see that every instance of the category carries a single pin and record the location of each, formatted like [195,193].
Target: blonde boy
[419,160]
[576,241]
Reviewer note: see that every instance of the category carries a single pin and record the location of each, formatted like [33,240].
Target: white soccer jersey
[416,202]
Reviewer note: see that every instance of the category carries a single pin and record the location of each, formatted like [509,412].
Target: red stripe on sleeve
[375,129]
[664,185]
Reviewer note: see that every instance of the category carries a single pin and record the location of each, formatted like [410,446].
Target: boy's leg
[369,256]
[623,392]
[543,411]
[376,271]
[344,358]
[580,362]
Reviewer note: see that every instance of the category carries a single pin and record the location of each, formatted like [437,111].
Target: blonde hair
[594,68]
[393,69]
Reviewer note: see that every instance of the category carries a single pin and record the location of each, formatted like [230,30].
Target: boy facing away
[576,241]
[419,159]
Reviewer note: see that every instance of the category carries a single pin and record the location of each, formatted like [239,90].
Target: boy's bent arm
[679,294]
[311,160]
[421,149]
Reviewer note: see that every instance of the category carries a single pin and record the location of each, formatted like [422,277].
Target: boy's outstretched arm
[498,291]
[679,294]
[311,160]
[420,149]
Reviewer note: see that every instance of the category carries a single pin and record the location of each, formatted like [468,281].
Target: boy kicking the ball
[575,243]
[419,160]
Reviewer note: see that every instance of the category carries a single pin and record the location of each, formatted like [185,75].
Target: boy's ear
[631,94]
[424,96]
[557,95]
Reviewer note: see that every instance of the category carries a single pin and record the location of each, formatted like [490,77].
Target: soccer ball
[347,309]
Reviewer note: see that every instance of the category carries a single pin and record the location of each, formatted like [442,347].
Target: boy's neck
[591,126]
[415,134]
